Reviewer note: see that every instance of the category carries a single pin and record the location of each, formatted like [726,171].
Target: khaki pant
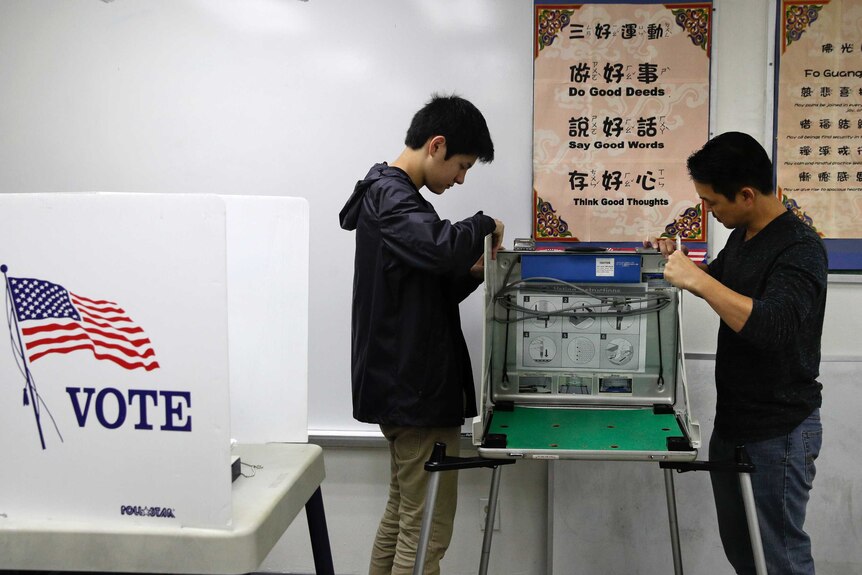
[397,539]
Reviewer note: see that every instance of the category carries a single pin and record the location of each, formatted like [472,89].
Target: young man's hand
[478,269]
[665,246]
[497,238]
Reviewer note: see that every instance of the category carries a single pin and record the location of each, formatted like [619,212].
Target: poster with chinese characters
[621,99]
[818,154]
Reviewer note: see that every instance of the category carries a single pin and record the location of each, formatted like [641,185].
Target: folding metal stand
[743,466]
[439,461]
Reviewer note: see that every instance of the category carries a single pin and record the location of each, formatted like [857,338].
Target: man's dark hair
[457,120]
[731,161]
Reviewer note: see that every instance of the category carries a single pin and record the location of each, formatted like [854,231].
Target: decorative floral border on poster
[695,21]
[548,223]
[796,18]
[551,22]
[791,205]
[689,225]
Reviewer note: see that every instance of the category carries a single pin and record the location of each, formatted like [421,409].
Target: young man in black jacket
[411,371]
[768,286]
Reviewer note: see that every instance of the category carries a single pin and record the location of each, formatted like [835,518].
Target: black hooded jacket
[410,364]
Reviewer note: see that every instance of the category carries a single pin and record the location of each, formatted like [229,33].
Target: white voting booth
[146,331]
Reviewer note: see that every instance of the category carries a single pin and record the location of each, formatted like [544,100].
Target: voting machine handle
[741,464]
[439,461]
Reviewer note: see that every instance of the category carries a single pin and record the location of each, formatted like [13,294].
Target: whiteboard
[265,97]
[270,97]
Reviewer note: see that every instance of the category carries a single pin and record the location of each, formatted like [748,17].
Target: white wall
[285,97]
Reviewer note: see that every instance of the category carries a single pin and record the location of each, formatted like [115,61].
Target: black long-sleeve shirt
[766,375]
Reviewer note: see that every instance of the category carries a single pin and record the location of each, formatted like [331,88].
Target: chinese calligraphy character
[579,73]
[603,31]
[646,181]
[613,73]
[612,127]
[579,127]
[576,180]
[576,31]
[612,180]
[647,127]
[647,73]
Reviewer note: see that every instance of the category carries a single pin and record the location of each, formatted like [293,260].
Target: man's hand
[732,307]
[682,272]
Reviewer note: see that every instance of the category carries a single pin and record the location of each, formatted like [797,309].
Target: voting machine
[581,358]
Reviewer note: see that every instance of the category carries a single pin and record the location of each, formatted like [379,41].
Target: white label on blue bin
[605,267]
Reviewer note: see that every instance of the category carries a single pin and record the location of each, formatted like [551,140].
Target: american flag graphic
[55,320]
[697,255]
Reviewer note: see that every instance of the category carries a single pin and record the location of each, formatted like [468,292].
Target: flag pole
[31,389]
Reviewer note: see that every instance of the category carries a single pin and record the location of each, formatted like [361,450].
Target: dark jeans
[783,477]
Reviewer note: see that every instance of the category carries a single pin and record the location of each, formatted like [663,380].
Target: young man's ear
[436,145]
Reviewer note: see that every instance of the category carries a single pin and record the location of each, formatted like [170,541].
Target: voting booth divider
[145,333]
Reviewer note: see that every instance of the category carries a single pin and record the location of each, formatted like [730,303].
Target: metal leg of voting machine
[674,523]
[744,468]
[439,462]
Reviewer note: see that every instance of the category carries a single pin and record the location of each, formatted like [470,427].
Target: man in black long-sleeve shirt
[768,286]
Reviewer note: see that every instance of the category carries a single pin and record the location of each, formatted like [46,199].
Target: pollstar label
[144,511]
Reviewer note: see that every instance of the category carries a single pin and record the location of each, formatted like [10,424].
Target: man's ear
[747,194]
[436,144]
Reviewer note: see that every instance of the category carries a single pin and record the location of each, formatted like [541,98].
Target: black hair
[457,120]
[731,161]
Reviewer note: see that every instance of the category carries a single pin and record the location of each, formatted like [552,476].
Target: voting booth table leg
[320,548]
[438,462]
[744,468]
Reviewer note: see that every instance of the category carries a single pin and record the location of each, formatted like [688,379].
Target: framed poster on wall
[621,99]
[818,134]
